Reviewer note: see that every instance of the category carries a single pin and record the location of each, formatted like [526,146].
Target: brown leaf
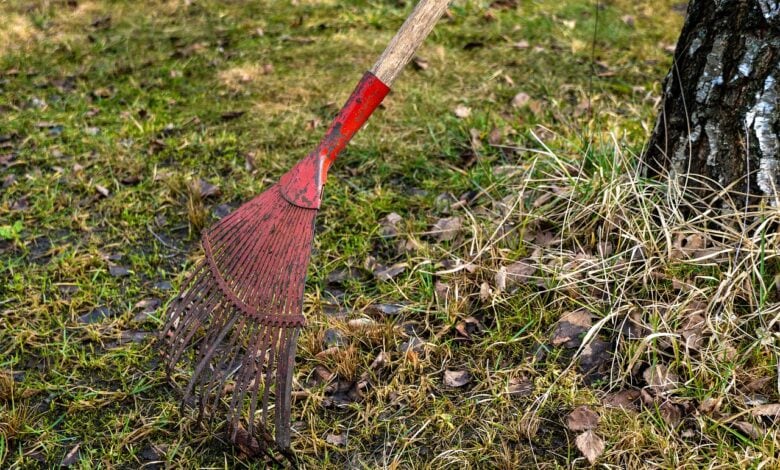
[770,409]
[385,309]
[659,379]
[625,399]
[206,189]
[582,419]
[388,273]
[670,413]
[710,405]
[71,457]
[380,361]
[148,305]
[519,272]
[571,328]
[102,190]
[447,228]
[456,378]
[747,429]
[419,63]
[520,387]
[360,323]
[336,439]
[520,100]
[590,444]
[468,327]
[246,443]
[462,111]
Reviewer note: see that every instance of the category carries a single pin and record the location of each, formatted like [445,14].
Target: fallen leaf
[582,419]
[629,20]
[659,379]
[522,44]
[71,457]
[118,271]
[462,111]
[447,228]
[148,305]
[770,409]
[419,63]
[388,273]
[336,439]
[747,429]
[206,189]
[485,292]
[380,361]
[519,272]
[97,315]
[520,387]
[246,443]
[571,328]
[231,115]
[591,445]
[456,378]
[625,399]
[385,309]
[670,413]
[358,323]
[102,190]
[520,100]
[468,327]
[710,405]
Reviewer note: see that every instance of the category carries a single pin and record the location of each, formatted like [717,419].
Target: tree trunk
[720,116]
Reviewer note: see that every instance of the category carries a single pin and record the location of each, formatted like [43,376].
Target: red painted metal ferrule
[302,185]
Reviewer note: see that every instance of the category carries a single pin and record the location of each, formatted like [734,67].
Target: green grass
[139,105]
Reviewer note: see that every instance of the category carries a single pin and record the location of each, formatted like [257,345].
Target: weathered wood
[720,116]
[406,41]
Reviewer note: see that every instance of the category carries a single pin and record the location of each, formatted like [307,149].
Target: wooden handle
[406,41]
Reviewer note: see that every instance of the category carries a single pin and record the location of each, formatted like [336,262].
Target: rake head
[238,316]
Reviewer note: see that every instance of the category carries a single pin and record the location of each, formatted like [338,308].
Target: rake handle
[408,38]
[302,185]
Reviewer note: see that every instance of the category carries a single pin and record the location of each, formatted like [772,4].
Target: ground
[545,303]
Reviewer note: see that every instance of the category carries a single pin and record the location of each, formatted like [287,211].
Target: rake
[237,318]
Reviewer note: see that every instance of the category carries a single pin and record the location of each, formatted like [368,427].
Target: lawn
[494,283]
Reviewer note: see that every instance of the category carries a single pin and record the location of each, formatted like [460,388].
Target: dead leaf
[148,305]
[670,413]
[419,63]
[102,190]
[456,378]
[468,327]
[521,99]
[710,405]
[520,272]
[118,271]
[520,387]
[522,44]
[582,419]
[206,189]
[71,457]
[571,328]
[385,309]
[625,399]
[336,439]
[380,361]
[388,273]
[359,323]
[770,409]
[659,379]
[590,444]
[462,111]
[447,228]
[629,20]
[747,429]
[246,443]
[485,292]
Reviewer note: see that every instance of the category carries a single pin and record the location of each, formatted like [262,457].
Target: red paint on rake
[239,314]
